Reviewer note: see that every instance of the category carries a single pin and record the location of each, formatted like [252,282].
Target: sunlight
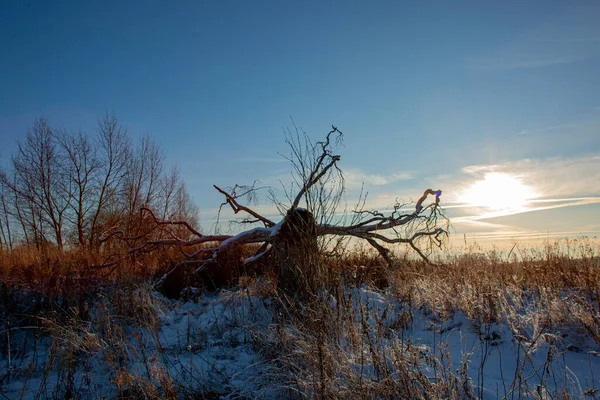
[498,191]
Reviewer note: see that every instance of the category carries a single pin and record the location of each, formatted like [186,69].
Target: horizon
[497,105]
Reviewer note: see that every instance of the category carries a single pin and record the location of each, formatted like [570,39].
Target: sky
[495,103]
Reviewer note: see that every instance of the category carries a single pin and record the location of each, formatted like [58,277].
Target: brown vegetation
[310,225]
[312,348]
[73,190]
[87,236]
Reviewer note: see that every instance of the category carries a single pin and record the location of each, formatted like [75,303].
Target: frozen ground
[502,359]
[218,346]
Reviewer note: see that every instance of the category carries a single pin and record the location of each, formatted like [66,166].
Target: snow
[205,344]
[499,362]
[249,234]
[209,344]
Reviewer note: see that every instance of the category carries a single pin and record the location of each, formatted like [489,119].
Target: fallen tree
[293,245]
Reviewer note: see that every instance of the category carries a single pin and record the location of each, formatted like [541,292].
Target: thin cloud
[549,129]
[355,178]
[570,36]
[560,203]
[486,226]
[493,232]
[554,177]
[559,183]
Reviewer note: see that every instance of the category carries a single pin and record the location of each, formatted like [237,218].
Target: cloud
[551,177]
[501,229]
[476,226]
[554,128]
[557,182]
[563,186]
[570,36]
[355,178]
[548,204]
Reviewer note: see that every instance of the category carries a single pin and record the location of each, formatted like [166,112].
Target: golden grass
[312,348]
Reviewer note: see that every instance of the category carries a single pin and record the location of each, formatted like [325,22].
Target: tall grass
[350,339]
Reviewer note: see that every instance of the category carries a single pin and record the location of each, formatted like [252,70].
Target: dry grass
[558,285]
[546,295]
[339,343]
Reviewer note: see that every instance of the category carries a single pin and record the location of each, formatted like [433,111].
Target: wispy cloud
[533,205]
[569,36]
[497,237]
[555,128]
[551,177]
[557,182]
[355,178]
[502,230]
[565,183]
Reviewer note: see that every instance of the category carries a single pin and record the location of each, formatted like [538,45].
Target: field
[523,323]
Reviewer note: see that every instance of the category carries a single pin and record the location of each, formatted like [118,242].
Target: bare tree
[291,244]
[40,183]
[6,239]
[142,183]
[12,206]
[63,186]
[175,201]
[113,150]
[81,165]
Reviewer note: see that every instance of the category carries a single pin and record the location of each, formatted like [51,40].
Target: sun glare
[497,191]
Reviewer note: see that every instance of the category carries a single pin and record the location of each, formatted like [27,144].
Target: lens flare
[498,191]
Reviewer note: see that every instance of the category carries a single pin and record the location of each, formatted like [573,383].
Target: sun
[498,191]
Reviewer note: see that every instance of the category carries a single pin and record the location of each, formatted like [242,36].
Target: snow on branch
[313,166]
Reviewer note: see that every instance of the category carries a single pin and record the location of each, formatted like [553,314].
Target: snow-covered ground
[229,344]
[496,361]
[204,345]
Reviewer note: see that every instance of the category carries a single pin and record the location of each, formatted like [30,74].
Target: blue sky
[427,94]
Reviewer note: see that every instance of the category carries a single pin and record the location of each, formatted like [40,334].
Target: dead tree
[40,185]
[291,245]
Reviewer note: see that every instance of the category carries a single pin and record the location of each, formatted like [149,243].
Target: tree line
[78,190]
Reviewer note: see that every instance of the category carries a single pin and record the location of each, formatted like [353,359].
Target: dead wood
[292,246]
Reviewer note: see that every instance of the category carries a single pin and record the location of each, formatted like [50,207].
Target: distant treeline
[74,189]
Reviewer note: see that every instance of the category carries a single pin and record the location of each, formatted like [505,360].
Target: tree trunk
[296,254]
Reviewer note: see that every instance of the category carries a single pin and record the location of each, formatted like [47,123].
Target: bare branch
[171,223]
[318,170]
[237,207]
[293,244]
[373,228]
